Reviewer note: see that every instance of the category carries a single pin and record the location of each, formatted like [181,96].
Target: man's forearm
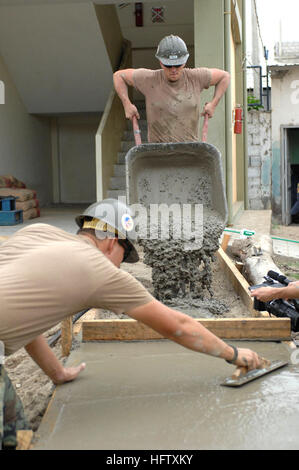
[44,357]
[194,336]
[182,329]
[121,88]
[289,292]
[189,333]
[220,89]
[41,353]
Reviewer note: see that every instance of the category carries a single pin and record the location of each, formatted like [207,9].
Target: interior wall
[57,56]
[179,20]
[24,142]
[111,32]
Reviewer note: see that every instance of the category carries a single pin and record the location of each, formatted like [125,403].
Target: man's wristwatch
[235,357]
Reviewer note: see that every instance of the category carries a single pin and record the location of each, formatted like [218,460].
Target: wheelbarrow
[170,173]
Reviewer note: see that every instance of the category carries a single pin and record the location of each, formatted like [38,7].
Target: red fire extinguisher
[138,14]
[238,118]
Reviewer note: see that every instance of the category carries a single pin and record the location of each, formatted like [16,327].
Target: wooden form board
[274,329]
[66,335]
[239,283]
[267,329]
[24,439]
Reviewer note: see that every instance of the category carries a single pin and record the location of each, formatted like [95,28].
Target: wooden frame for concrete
[24,439]
[266,329]
[262,328]
[238,281]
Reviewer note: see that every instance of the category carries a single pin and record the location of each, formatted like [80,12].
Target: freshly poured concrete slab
[158,395]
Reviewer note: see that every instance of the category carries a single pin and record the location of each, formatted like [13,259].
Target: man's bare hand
[265,294]
[248,358]
[131,111]
[67,374]
[209,109]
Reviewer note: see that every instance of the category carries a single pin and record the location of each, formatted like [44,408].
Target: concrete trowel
[242,375]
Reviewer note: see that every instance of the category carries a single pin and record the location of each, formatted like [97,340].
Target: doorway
[290,173]
[73,159]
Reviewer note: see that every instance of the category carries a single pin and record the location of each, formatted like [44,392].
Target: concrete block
[254,150]
[254,172]
[254,192]
[256,204]
[250,140]
[255,161]
[256,138]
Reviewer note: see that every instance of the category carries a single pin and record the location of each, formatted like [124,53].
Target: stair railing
[110,131]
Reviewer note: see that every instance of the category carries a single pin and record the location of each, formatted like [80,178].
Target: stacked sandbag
[26,198]
[9,181]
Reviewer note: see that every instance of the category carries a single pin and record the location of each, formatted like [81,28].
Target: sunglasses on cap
[170,66]
[127,247]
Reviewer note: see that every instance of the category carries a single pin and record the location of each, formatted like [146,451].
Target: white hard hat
[113,217]
[172,50]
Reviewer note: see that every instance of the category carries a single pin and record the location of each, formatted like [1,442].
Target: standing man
[172,93]
[47,274]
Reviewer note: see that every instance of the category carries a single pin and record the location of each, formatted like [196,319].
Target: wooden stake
[66,335]
[225,240]
[238,282]
[24,439]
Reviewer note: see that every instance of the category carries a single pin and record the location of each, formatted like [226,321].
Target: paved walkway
[260,222]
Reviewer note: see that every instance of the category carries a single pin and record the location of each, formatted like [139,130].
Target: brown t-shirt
[47,274]
[172,108]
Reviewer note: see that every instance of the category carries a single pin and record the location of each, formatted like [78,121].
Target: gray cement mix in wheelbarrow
[183,175]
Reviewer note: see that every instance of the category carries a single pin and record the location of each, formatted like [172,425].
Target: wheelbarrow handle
[136,131]
[205,128]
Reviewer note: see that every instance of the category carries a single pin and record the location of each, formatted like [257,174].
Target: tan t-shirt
[172,108]
[47,274]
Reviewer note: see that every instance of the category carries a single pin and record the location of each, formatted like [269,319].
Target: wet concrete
[158,395]
[184,173]
[176,175]
[181,269]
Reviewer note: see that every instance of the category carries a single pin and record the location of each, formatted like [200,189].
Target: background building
[62,127]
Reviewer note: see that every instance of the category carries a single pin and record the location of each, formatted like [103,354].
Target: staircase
[117,186]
